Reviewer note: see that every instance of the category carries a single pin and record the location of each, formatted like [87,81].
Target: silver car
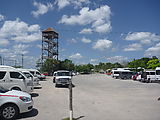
[13,103]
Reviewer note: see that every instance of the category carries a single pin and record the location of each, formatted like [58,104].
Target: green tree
[67,65]
[87,68]
[50,65]
[152,64]
[117,65]
[106,66]
[139,63]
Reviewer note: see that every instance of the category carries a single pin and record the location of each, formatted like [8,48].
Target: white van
[158,74]
[13,79]
[117,71]
[115,74]
[30,76]
[36,73]
[148,76]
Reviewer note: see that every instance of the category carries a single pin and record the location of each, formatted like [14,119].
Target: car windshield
[3,90]
[157,72]
[63,74]
[38,73]
[28,75]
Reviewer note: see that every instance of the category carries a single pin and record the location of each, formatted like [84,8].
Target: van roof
[32,69]
[121,70]
[150,71]
[5,66]
[62,71]
[23,70]
[9,69]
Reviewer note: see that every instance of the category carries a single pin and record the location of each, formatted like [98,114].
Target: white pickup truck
[61,78]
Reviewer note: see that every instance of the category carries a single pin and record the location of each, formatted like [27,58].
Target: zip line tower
[49,44]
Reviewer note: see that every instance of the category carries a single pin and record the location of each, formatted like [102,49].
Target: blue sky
[90,31]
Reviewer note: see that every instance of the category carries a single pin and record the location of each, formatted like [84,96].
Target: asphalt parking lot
[97,97]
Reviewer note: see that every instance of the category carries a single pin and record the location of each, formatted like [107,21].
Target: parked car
[116,72]
[14,102]
[134,77]
[36,73]
[147,76]
[61,77]
[125,74]
[30,76]
[45,73]
[157,79]
[11,78]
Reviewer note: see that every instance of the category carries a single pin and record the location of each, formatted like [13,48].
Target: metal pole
[57,49]
[1,60]
[15,64]
[70,99]
[22,60]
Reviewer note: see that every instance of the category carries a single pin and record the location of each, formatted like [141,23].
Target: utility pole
[15,64]
[22,60]
[1,60]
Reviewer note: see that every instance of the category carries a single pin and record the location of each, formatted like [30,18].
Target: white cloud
[115,59]
[20,31]
[85,40]
[4,42]
[133,47]
[86,31]
[104,28]
[7,53]
[76,3]
[76,56]
[20,49]
[99,19]
[72,40]
[39,46]
[4,51]
[143,37]
[15,50]
[41,8]
[102,44]
[93,60]
[62,3]
[153,51]
[30,61]
[1,17]
[28,38]
[14,54]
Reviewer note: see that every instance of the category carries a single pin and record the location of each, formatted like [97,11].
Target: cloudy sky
[90,31]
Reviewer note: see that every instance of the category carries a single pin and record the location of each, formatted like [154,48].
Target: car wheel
[125,77]
[149,80]
[16,88]
[53,80]
[56,85]
[9,112]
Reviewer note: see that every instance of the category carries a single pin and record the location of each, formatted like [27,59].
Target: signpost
[70,100]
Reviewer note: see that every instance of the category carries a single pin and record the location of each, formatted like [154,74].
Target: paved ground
[97,97]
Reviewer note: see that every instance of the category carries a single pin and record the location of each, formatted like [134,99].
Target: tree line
[51,65]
